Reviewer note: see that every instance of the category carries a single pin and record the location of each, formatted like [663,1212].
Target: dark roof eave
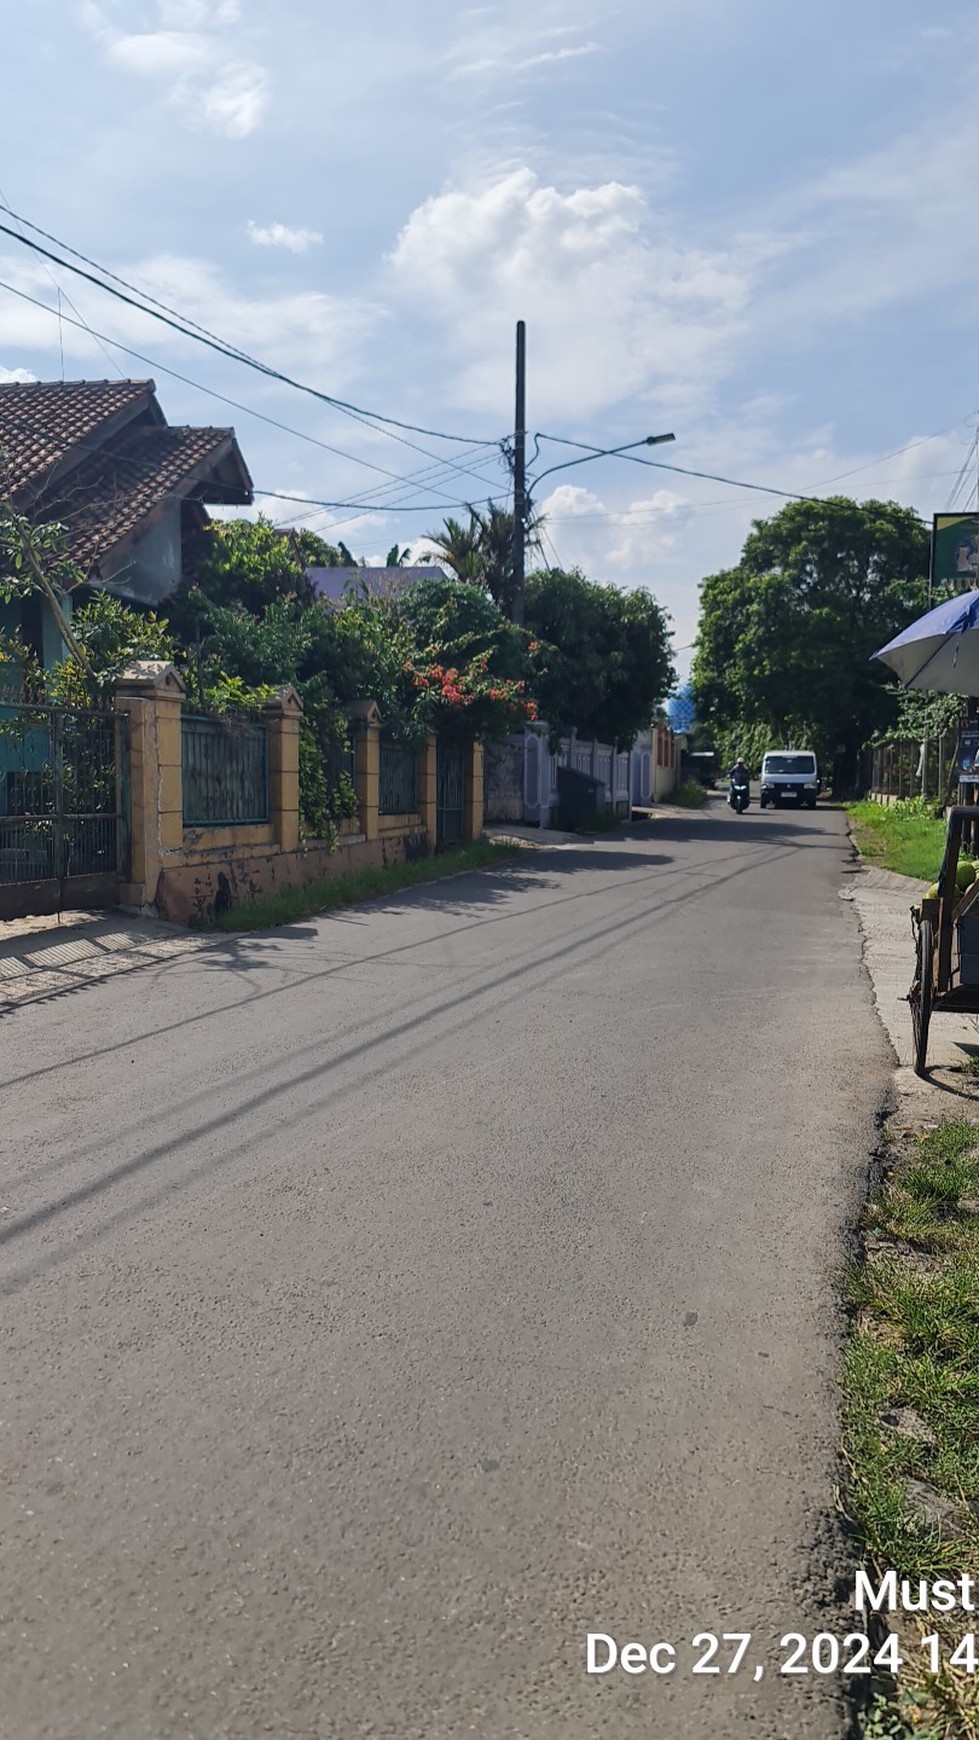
[197,485]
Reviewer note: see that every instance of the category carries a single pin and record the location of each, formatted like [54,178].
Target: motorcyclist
[738,774]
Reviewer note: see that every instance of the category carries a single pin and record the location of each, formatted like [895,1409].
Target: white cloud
[569,501]
[629,537]
[617,307]
[19,375]
[491,44]
[550,56]
[158,53]
[218,91]
[276,235]
[234,105]
[302,332]
[198,14]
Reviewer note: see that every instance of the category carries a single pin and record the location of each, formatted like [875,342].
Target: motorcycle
[738,797]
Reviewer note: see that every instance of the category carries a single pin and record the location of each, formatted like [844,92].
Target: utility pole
[520,475]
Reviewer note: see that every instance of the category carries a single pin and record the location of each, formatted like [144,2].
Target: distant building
[332,584]
[681,711]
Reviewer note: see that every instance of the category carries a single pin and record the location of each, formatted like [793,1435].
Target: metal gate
[450,794]
[64,808]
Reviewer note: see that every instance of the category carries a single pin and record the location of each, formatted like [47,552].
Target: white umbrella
[939,652]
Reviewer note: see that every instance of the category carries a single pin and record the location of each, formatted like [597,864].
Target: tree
[248,565]
[454,621]
[606,655]
[472,665]
[101,635]
[481,554]
[786,639]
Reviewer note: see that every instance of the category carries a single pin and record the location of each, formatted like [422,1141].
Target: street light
[599,453]
[522,499]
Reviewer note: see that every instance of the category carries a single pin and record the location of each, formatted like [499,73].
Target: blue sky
[752,224]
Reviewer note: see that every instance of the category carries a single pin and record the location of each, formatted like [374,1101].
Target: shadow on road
[719,823]
[314,1065]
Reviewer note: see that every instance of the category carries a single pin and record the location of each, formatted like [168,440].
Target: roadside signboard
[955,552]
[968,754]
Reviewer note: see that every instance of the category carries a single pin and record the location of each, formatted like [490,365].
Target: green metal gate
[64,808]
[450,780]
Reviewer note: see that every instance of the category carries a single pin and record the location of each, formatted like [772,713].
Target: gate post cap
[149,675]
[285,700]
[365,712]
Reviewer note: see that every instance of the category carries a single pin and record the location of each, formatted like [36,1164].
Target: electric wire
[681,470]
[62,293]
[629,516]
[445,466]
[181,323]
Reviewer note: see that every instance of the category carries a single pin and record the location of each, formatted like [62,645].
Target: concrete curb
[882,900]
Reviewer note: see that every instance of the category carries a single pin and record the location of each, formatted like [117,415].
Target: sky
[749,224]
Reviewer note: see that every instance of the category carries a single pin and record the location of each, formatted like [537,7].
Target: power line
[736,483]
[921,441]
[201,335]
[431,507]
[134,461]
[442,464]
[5,207]
[629,516]
[685,471]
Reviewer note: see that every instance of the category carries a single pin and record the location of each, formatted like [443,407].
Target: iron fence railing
[63,793]
[225,764]
[398,783]
[907,767]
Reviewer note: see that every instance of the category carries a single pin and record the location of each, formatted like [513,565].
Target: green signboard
[955,552]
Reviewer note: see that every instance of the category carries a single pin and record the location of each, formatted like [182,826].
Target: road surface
[392,1300]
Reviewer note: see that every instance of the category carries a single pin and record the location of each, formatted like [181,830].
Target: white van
[790,776]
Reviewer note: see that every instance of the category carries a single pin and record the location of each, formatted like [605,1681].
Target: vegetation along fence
[339,762]
[906,768]
[398,783]
[225,765]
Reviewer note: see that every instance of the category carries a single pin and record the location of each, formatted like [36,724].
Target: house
[130,490]
[332,584]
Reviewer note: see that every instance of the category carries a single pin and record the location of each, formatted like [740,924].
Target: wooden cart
[946,934]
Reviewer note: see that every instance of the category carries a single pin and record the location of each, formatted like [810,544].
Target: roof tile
[41,421]
[112,491]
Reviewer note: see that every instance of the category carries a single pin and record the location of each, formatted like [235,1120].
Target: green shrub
[690,795]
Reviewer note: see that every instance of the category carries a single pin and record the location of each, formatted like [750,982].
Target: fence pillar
[472,812]
[150,693]
[427,787]
[365,718]
[283,717]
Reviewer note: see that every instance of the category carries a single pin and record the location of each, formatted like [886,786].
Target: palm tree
[482,552]
[458,547]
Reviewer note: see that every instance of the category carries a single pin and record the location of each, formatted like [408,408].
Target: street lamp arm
[595,452]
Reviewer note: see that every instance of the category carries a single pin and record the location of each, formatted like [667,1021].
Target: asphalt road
[392,1300]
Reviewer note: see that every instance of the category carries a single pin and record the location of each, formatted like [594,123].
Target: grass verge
[902,837]
[911,1420]
[690,795]
[288,904]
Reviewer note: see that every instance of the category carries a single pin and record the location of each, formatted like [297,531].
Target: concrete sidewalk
[883,901]
[42,957]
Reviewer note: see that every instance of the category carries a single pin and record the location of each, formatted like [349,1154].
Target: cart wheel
[921,996]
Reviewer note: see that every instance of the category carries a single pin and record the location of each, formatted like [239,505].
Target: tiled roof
[331,583]
[41,421]
[114,490]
